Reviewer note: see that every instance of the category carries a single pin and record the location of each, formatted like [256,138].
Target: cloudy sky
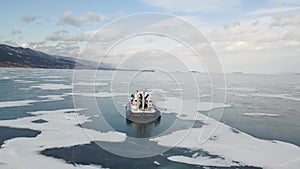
[252,36]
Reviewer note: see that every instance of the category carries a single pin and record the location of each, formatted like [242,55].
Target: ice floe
[98,94]
[230,147]
[156,162]
[7,77]
[261,114]
[4,104]
[17,103]
[200,160]
[277,96]
[186,109]
[61,130]
[23,81]
[46,98]
[246,89]
[55,80]
[90,84]
[53,97]
[53,77]
[52,86]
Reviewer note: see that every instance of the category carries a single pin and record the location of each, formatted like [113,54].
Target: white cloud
[194,5]
[274,10]
[270,31]
[262,45]
[89,18]
[70,49]
[61,35]
[240,45]
[270,43]
[25,45]
[265,44]
[11,43]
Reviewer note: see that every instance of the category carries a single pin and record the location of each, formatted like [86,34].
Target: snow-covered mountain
[25,57]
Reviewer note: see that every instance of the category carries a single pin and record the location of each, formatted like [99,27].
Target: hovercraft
[141,109]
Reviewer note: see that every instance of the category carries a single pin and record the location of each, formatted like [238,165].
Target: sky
[251,36]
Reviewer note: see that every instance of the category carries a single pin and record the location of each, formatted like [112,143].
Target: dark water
[132,129]
[93,154]
[10,133]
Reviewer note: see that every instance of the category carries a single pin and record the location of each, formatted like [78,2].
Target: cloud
[34,19]
[262,45]
[274,10]
[89,18]
[10,42]
[262,33]
[29,19]
[64,36]
[240,45]
[70,49]
[194,5]
[15,31]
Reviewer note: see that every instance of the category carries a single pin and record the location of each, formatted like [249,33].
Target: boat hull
[141,117]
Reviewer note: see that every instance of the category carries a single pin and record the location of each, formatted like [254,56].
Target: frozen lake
[50,120]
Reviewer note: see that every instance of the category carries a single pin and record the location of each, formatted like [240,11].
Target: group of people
[140,98]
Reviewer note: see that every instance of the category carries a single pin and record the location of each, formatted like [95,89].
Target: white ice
[186,109]
[247,89]
[261,114]
[16,103]
[23,81]
[53,97]
[90,84]
[7,77]
[52,86]
[61,130]
[231,146]
[156,162]
[277,96]
[52,77]
[98,94]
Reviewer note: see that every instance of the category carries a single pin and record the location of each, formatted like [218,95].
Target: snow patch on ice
[246,89]
[23,81]
[200,160]
[98,94]
[53,97]
[17,103]
[7,77]
[52,86]
[61,130]
[52,77]
[277,96]
[232,148]
[90,84]
[156,162]
[55,80]
[186,109]
[260,114]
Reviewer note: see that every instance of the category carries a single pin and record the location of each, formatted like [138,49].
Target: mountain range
[27,58]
